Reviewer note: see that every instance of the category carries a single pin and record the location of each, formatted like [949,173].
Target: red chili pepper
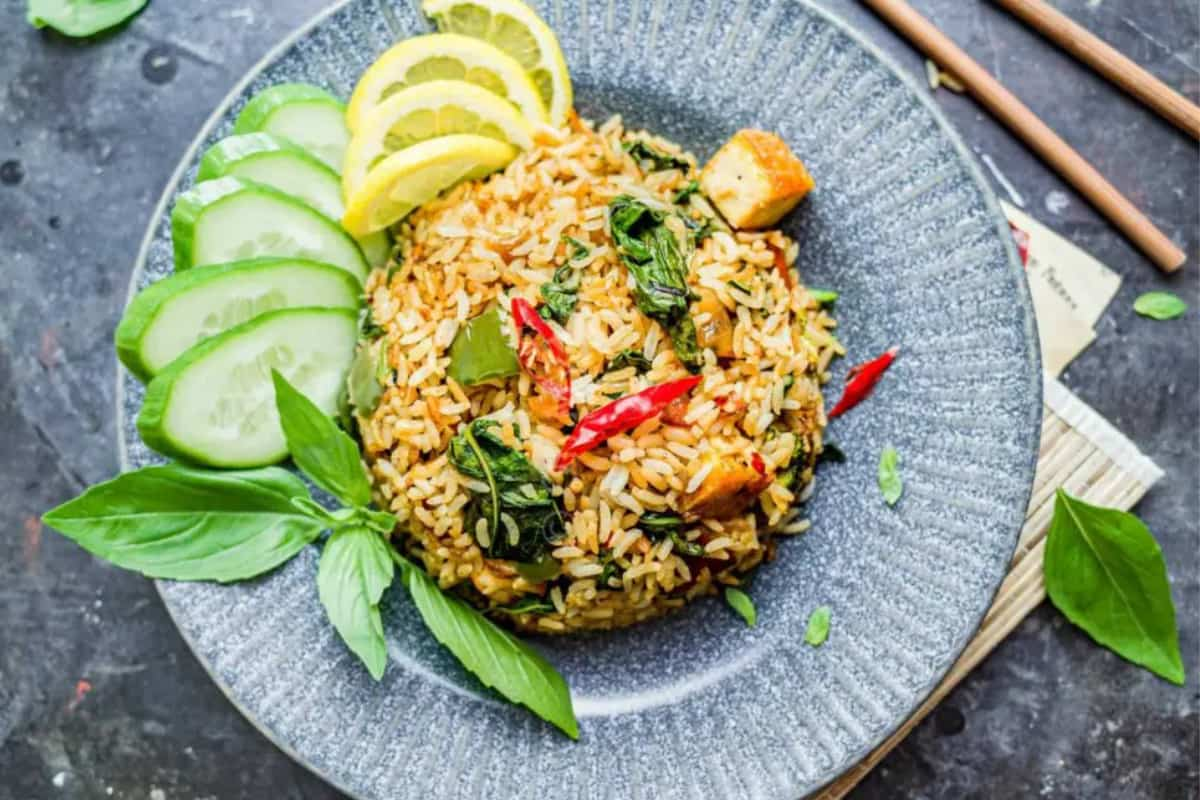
[542,355]
[1021,238]
[861,380]
[621,414]
[757,462]
[781,266]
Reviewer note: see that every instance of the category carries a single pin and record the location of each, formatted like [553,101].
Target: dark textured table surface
[90,132]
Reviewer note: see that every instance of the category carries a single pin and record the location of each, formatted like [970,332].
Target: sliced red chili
[861,380]
[757,462]
[620,415]
[542,355]
[781,266]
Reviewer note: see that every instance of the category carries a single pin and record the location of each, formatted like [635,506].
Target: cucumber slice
[215,404]
[307,115]
[263,158]
[229,219]
[172,315]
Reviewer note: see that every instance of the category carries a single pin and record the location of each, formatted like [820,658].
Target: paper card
[1085,284]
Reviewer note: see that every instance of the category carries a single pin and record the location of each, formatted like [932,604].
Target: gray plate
[698,705]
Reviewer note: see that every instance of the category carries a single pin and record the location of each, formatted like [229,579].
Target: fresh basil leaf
[740,602]
[560,294]
[683,546]
[651,254]
[818,626]
[657,525]
[324,453]
[515,489]
[1106,573]
[657,160]
[578,249]
[498,659]
[687,191]
[825,297]
[481,351]
[191,524]
[81,17]
[364,387]
[889,476]
[629,358]
[1159,305]
[355,569]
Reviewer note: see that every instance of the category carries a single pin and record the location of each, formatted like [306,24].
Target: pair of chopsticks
[1005,106]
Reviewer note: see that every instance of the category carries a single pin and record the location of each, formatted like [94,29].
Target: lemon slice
[513,27]
[444,56]
[425,111]
[417,174]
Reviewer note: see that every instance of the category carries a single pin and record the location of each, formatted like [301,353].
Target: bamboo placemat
[1082,453]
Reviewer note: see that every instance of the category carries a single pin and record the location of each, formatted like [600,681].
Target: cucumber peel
[307,115]
[215,404]
[169,316]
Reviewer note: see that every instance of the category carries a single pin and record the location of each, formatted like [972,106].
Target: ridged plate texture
[698,705]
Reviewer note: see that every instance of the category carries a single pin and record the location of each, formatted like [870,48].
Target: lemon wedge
[438,57]
[516,29]
[417,174]
[426,111]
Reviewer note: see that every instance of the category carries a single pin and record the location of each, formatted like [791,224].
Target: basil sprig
[191,524]
[186,523]
[1106,573]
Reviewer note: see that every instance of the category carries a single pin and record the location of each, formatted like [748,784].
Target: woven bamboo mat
[1082,453]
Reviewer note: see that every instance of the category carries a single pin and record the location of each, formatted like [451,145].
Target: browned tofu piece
[754,179]
[727,490]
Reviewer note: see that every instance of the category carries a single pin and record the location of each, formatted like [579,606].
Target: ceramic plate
[698,705]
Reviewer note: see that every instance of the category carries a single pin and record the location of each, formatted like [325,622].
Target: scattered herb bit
[354,570]
[789,381]
[578,249]
[530,604]
[326,455]
[1105,571]
[740,602]
[191,524]
[831,452]
[699,230]
[544,569]
[368,327]
[542,355]
[818,626]
[644,153]
[498,659]
[825,297]
[482,351]
[789,476]
[632,410]
[363,382]
[612,570]
[889,476]
[651,254]
[684,547]
[1159,305]
[861,381]
[77,18]
[561,294]
[741,287]
[518,496]
[629,358]
[687,191]
[658,525]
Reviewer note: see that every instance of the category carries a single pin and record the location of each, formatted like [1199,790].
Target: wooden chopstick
[1108,61]
[1004,105]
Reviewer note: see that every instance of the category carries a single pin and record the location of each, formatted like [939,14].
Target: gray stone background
[90,132]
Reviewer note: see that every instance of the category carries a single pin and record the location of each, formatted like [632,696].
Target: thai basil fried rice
[656,515]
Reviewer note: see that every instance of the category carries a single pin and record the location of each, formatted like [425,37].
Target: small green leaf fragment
[818,626]
[1159,305]
[889,476]
[740,602]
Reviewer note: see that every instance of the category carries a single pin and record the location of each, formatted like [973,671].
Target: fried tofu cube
[728,489]
[754,179]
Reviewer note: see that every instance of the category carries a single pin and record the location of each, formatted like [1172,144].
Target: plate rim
[836,21]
